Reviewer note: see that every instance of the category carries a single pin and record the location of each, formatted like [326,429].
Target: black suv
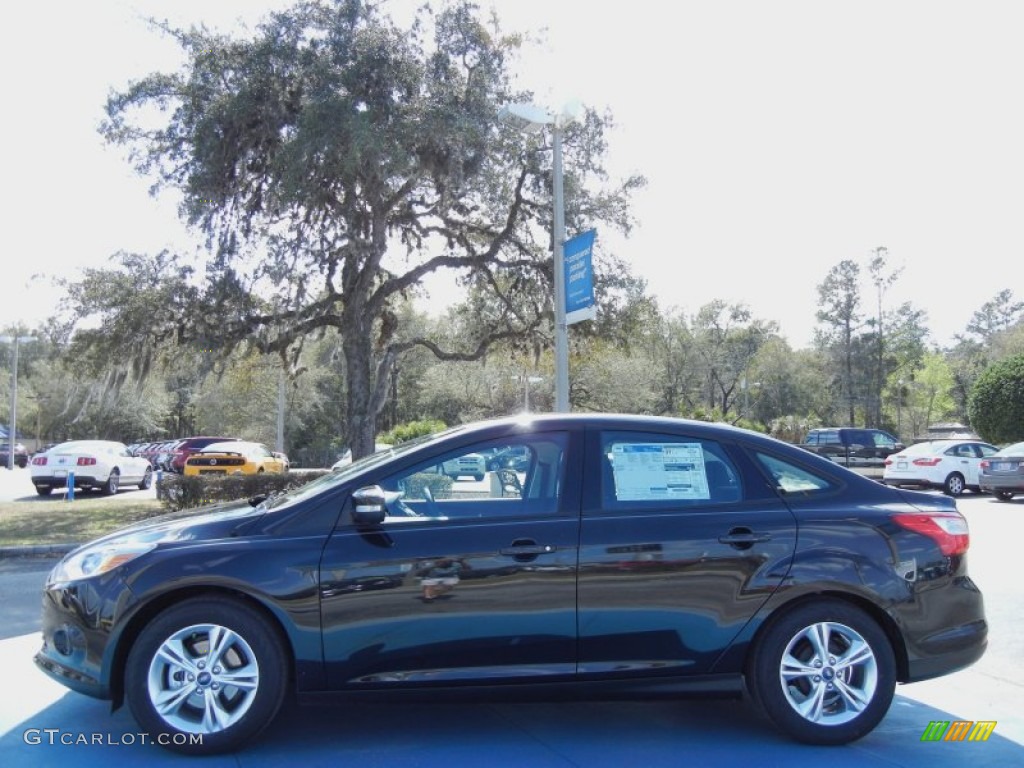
[853,446]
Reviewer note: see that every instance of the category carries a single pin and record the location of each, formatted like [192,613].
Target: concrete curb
[37,550]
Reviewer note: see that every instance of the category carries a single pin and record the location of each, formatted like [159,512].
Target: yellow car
[234,458]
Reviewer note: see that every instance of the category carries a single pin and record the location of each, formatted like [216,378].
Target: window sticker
[663,471]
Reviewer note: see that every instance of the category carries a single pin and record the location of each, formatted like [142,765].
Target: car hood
[209,522]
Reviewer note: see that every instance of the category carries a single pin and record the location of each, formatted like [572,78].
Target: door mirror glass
[369,506]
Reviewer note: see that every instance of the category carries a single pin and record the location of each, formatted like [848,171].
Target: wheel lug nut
[215,686]
[201,665]
[830,686]
[216,670]
[817,662]
[191,678]
[817,678]
[831,660]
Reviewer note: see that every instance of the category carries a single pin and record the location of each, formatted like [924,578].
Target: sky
[778,138]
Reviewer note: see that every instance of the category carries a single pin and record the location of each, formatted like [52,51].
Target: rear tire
[110,487]
[209,667]
[43,490]
[954,485]
[824,673]
[1003,495]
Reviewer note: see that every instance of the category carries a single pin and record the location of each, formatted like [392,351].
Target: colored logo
[958,730]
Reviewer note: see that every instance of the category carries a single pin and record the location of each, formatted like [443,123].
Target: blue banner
[579,277]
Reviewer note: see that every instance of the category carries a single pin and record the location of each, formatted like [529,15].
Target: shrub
[996,403]
[410,430]
[180,492]
[440,485]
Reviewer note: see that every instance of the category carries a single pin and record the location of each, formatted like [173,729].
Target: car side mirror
[369,506]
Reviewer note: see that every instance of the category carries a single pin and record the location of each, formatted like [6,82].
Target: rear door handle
[525,550]
[744,538]
[528,549]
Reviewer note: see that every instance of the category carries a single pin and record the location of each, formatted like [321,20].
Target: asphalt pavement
[44,724]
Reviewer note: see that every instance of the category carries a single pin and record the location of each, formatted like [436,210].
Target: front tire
[147,480]
[207,667]
[824,673]
[954,485]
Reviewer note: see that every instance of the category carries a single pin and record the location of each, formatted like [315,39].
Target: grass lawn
[40,521]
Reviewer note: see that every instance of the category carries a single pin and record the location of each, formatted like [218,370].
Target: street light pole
[13,426]
[561,329]
[531,119]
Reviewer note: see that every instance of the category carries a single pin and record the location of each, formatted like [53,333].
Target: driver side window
[510,477]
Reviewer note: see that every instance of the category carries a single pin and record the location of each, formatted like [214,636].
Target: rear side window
[654,471]
[791,478]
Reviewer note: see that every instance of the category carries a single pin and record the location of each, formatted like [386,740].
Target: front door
[466,580]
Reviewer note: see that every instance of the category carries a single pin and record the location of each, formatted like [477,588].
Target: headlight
[93,561]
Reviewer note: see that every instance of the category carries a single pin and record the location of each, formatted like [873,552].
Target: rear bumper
[995,483]
[81,481]
[965,645]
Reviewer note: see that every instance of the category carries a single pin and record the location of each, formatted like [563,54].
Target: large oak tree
[333,160]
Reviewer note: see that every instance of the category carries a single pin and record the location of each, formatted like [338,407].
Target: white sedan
[951,465]
[102,464]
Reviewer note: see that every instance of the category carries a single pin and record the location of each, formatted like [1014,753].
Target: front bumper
[77,622]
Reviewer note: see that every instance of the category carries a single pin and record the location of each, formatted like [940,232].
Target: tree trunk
[357,345]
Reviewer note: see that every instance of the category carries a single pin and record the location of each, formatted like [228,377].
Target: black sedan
[636,556]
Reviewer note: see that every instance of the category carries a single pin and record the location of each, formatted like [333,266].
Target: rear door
[681,543]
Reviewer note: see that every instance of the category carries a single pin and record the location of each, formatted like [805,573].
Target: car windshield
[923,448]
[340,475]
[233,447]
[79,446]
[1017,449]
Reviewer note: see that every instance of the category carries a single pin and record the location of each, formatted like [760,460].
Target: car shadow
[562,734]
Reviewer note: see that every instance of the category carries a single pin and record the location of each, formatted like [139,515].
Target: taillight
[887,462]
[950,532]
[86,461]
[927,462]
[984,464]
[39,461]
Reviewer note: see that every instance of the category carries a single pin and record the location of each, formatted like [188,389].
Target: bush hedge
[179,492]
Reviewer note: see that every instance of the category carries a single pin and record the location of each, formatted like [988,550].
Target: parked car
[516,457]
[1002,473]
[637,555]
[235,457]
[951,465]
[187,446]
[471,464]
[20,455]
[103,465]
[852,446]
